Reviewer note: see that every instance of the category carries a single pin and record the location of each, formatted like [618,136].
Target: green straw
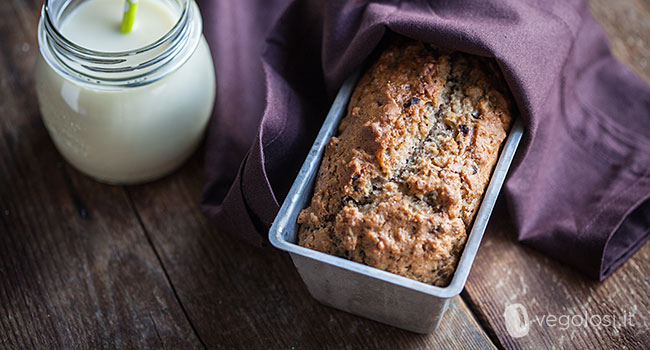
[129,16]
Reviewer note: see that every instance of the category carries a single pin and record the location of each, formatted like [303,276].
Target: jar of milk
[124,108]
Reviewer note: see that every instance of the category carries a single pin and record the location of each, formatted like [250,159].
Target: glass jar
[130,116]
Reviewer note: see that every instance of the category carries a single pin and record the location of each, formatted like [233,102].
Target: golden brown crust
[398,187]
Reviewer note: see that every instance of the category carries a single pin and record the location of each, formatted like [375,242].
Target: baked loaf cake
[398,187]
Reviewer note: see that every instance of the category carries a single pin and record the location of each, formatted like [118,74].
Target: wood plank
[627,24]
[238,296]
[76,269]
[506,273]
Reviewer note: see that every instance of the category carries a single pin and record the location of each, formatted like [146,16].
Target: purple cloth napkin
[579,188]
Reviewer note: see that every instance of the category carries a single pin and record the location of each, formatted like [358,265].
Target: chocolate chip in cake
[414,100]
[464,129]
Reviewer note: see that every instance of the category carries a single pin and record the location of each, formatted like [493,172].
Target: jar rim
[134,67]
[55,31]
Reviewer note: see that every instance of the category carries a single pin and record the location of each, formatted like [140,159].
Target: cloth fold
[579,188]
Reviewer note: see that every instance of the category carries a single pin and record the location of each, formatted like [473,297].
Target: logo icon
[517,322]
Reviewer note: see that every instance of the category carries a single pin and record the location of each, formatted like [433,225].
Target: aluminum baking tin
[363,290]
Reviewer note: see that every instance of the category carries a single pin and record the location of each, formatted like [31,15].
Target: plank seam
[155,251]
[485,326]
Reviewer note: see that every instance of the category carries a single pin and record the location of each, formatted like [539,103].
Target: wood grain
[229,288]
[76,269]
[506,273]
[627,25]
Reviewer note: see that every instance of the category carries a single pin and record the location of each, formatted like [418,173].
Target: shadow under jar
[124,108]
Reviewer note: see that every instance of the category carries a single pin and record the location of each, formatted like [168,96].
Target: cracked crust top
[398,187]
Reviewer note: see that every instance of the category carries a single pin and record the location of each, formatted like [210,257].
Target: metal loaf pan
[363,290]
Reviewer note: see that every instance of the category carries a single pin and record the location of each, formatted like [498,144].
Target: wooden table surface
[87,265]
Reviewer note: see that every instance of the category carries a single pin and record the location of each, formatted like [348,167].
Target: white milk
[126,134]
